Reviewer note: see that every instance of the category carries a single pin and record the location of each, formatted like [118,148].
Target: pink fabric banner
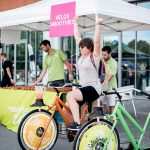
[61,21]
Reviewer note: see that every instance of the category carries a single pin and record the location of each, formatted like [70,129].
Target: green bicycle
[101,134]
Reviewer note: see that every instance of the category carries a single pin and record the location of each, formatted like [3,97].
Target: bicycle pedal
[98,111]
[71,135]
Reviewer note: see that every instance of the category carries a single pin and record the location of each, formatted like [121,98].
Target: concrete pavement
[8,139]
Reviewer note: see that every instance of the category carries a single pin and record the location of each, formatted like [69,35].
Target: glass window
[68,46]
[36,57]
[112,41]
[24,34]
[143,58]
[34,64]
[146,5]
[10,52]
[143,46]
[20,64]
[39,51]
[128,58]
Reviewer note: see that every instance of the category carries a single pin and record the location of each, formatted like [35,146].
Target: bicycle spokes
[95,138]
[35,129]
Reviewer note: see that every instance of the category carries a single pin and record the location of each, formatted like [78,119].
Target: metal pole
[35,51]
[15,61]
[135,83]
[0,63]
[96,9]
[77,55]
[71,58]
[71,50]
[120,60]
[26,64]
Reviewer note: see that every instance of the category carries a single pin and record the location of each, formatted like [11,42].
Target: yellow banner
[14,104]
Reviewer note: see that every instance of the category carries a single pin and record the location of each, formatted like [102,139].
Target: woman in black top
[7,65]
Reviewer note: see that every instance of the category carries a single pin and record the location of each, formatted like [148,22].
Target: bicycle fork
[109,135]
[46,127]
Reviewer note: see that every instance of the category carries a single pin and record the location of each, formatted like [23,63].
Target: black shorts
[6,82]
[57,83]
[89,94]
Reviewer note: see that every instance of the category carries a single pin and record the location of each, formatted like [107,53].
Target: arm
[105,83]
[8,72]
[97,38]
[77,35]
[108,77]
[111,71]
[68,66]
[69,69]
[41,76]
[9,75]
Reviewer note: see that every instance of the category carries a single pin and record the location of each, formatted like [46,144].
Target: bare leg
[111,109]
[74,106]
[104,108]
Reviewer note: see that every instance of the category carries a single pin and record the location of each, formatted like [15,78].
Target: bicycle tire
[32,127]
[92,135]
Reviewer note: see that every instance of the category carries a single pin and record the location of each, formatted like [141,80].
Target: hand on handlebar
[65,85]
[105,85]
[70,77]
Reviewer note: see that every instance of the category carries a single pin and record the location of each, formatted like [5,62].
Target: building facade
[8,5]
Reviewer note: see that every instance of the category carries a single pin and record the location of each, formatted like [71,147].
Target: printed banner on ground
[15,104]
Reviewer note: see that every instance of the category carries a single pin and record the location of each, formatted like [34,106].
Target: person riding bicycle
[88,76]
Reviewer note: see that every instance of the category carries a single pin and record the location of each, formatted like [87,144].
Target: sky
[129,36]
[146,5]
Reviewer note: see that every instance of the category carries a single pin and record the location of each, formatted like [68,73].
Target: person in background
[88,75]
[54,63]
[0,72]
[7,66]
[147,74]
[110,78]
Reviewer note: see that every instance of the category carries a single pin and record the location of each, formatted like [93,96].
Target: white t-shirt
[88,75]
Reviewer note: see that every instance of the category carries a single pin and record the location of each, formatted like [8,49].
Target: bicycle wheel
[32,128]
[93,134]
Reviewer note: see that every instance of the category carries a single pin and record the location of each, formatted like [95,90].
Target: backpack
[101,69]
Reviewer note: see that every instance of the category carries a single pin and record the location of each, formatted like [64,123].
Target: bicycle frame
[46,128]
[118,111]
[57,103]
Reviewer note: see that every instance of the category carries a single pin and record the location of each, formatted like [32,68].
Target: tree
[142,45]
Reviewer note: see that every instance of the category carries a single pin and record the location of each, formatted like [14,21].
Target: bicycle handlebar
[112,92]
[146,94]
[143,92]
[65,85]
[119,96]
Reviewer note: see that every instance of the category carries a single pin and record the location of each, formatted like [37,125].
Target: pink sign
[61,21]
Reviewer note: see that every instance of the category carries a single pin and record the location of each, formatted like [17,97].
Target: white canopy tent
[118,16]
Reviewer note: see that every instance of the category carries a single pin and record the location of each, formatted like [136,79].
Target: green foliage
[142,45]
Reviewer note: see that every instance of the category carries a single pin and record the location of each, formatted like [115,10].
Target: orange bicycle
[38,129]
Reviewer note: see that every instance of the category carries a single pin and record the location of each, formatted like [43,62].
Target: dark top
[7,64]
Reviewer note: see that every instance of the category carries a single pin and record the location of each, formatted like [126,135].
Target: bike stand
[71,135]
[38,103]
[97,111]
